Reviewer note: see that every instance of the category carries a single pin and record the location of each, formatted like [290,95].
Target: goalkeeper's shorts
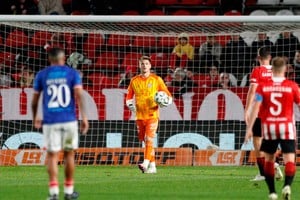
[146,128]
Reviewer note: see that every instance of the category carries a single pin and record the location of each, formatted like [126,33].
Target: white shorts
[61,136]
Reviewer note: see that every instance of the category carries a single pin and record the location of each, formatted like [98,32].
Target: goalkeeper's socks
[261,162]
[152,165]
[53,188]
[68,187]
[146,163]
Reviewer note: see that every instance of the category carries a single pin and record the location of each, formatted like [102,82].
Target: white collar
[267,66]
[278,79]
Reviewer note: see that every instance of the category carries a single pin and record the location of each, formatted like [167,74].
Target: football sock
[69,187]
[269,173]
[261,162]
[152,165]
[290,170]
[53,188]
[152,156]
[149,149]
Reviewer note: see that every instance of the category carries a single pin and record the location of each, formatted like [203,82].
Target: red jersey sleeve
[254,77]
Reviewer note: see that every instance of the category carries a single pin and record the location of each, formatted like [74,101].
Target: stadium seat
[107,60]
[100,81]
[267,2]
[144,41]
[191,2]
[159,60]
[181,12]
[223,39]
[233,13]
[207,12]
[93,41]
[167,41]
[119,40]
[40,38]
[165,2]
[16,38]
[155,12]
[284,12]
[7,58]
[131,12]
[197,40]
[258,13]
[250,2]
[211,2]
[291,2]
[131,60]
[66,2]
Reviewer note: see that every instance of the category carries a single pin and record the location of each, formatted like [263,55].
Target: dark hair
[264,52]
[53,53]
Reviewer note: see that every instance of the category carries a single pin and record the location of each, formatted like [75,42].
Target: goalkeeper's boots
[273,196]
[53,197]
[151,170]
[278,172]
[142,167]
[72,196]
[286,193]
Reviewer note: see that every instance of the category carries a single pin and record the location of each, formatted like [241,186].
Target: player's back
[261,74]
[279,96]
[57,83]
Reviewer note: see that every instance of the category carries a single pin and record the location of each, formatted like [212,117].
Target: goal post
[208,79]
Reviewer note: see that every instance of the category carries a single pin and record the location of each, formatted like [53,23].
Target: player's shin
[269,172]
[290,170]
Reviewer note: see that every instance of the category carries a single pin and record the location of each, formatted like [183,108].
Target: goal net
[205,62]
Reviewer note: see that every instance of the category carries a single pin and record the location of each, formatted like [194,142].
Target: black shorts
[270,146]
[256,129]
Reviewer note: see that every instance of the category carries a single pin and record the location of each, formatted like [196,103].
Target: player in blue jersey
[60,86]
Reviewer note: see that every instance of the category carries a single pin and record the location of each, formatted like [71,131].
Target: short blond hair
[278,64]
[145,58]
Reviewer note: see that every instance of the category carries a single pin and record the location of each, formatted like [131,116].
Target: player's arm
[129,98]
[252,116]
[78,93]
[34,107]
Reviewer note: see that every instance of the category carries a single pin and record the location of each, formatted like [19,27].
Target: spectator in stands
[224,81]
[210,50]
[297,60]
[287,45]
[23,7]
[212,78]
[51,7]
[25,77]
[228,5]
[126,77]
[182,82]
[182,52]
[5,78]
[234,54]
[262,40]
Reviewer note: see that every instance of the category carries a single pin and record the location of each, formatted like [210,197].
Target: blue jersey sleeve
[258,97]
[37,83]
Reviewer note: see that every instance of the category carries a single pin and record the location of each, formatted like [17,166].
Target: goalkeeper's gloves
[165,103]
[130,105]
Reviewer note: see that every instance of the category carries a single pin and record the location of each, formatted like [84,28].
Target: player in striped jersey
[274,99]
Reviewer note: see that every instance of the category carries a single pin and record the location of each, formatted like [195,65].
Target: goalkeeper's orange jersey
[143,90]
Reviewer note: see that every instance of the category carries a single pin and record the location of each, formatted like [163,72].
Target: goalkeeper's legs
[53,173]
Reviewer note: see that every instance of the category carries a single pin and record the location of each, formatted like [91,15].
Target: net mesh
[205,124]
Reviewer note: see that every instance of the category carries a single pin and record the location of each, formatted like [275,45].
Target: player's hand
[248,135]
[130,105]
[37,123]
[84,126]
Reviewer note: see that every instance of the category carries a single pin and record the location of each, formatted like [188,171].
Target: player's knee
[290,169]
[149,141]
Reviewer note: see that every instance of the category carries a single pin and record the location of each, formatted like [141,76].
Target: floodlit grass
[118,182]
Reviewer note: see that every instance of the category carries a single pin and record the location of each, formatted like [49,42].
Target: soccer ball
[162,98]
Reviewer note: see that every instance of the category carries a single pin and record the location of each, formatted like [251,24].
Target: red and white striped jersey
[278,96]
[260,75]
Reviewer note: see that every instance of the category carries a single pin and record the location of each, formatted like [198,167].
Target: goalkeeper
[140,99]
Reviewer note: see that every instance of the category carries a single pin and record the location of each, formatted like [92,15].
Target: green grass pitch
[118,182]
